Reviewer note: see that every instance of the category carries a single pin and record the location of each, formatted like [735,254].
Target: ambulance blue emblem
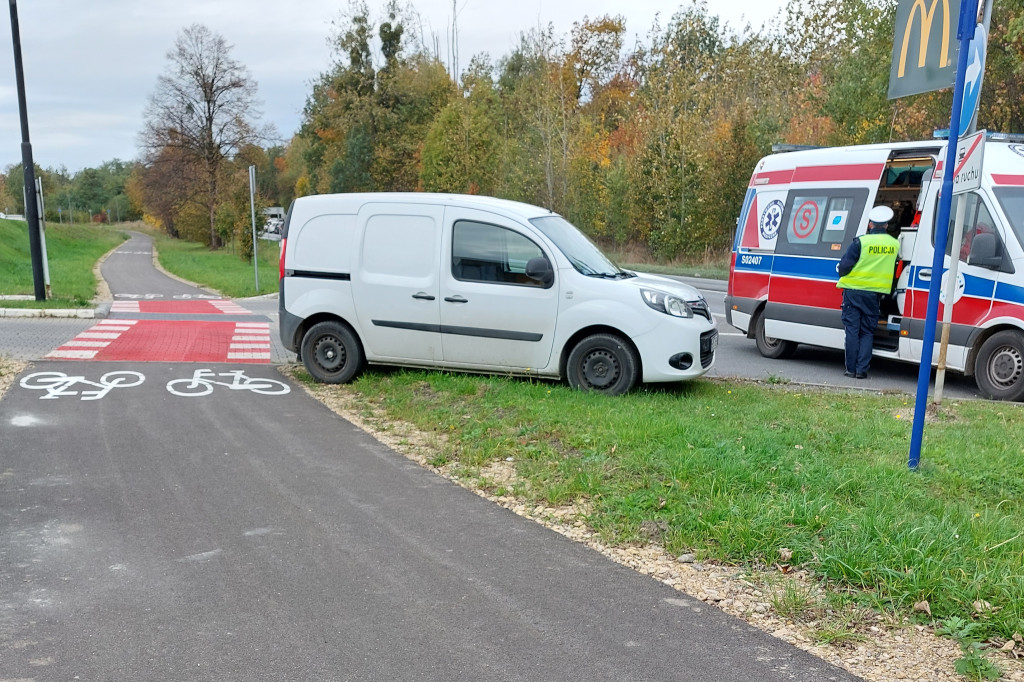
[771,220]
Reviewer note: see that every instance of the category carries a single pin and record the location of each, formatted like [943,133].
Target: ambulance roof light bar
[943,134]
[780,148]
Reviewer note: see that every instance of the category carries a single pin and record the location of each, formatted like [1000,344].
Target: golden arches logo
[927,17]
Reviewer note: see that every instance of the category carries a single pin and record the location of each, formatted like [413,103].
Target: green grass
[734,472]
[72,252]
[221,270]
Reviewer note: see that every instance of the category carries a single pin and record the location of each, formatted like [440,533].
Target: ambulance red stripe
[1003,179]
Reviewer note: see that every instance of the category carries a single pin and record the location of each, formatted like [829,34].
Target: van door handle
[423,296]
[456,299]
[925,274]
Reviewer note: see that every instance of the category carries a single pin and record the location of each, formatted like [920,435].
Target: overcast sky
[90,65]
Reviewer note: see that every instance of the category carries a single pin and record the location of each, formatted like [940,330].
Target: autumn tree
[204,108]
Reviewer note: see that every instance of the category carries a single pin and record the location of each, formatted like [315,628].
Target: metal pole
[42,235]
[950,287]
[31,212]
[252,205]
[965,31]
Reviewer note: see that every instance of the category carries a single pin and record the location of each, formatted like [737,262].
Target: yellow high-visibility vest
[874,270]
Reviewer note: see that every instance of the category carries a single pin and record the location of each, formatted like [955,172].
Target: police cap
[880,215]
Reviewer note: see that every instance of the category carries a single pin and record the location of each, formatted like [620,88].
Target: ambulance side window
[821,223]
[981,243]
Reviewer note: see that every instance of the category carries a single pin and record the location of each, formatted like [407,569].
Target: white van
[802,210]
[477,284]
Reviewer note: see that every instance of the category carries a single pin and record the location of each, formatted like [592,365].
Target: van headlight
[666,303]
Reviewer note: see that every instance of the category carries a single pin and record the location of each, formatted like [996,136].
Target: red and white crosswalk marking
[125,307]
[86,345]
[230,307]
[251,341]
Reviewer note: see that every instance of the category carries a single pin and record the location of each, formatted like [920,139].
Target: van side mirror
[984,251]
[539,268]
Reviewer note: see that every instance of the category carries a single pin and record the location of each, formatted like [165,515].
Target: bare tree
[204,107]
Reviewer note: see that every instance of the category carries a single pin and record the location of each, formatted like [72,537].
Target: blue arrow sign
[975,75]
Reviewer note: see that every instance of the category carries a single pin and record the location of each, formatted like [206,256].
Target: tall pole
[968,21]
[255,241]
[31,209]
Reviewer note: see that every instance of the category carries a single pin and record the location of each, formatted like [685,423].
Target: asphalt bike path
[154,317]
[206,520]
[177,521]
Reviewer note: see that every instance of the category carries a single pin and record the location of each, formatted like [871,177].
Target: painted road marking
[169,341]
[202,382]
[57,384]
[124,307]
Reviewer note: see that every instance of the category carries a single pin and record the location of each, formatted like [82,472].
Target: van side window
[821,223]
[488,253]
[981,243]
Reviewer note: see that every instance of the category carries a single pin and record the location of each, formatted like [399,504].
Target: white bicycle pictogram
[203,382]
[57,384]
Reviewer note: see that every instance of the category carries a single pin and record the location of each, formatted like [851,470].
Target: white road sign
[970,152]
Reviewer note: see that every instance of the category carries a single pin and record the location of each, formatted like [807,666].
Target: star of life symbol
[771,219]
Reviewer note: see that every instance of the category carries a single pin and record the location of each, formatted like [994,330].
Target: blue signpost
[965,32]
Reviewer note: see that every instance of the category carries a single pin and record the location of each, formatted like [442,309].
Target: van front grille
[708,344]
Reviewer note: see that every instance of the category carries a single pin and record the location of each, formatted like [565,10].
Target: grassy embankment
[220,270]
[736,472]
[72,252]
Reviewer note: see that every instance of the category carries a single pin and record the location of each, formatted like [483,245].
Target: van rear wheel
[768,346]
[331,353]
[999,367]
[603,363]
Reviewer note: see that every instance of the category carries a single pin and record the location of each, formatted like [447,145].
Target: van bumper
[287,324]
[677,350]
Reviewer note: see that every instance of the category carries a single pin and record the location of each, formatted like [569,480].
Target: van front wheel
[603,363]
[999,367]
[771,347]
[331,353]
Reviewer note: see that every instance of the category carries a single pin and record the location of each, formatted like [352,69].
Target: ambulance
[803,208]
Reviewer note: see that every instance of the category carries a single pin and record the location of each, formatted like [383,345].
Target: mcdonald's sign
[924,47]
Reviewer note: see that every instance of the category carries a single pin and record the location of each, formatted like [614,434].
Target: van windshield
[1012,201]
[581,252]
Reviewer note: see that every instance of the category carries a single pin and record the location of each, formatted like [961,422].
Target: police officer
[865,273]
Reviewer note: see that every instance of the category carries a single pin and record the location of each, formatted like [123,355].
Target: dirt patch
[873,646]
[9,369]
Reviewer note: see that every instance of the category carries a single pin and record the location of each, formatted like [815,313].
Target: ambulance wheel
[768,346]
[999,367]
[603,363]
[331,353]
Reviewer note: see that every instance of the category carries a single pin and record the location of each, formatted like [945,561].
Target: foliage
[200,115]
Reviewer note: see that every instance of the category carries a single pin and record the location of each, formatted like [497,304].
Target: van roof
[354,200]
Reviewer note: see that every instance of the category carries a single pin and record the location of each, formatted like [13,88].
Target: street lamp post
[31,209]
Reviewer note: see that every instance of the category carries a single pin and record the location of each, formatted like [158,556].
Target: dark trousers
[860,319]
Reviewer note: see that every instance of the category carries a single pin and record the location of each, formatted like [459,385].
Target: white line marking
[109,328]
[73,354]
[118,322]
[251,338]
[248,356]
[243,346]
[259,325]
[97,335]
[86,344]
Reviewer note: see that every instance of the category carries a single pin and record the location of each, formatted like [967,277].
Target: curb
[80,313]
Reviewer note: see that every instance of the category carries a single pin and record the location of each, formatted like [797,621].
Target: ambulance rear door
[825,209]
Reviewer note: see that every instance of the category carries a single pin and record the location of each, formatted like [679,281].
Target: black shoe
[849,374]
[862,375]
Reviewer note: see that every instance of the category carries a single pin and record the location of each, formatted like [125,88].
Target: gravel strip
[874,646]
